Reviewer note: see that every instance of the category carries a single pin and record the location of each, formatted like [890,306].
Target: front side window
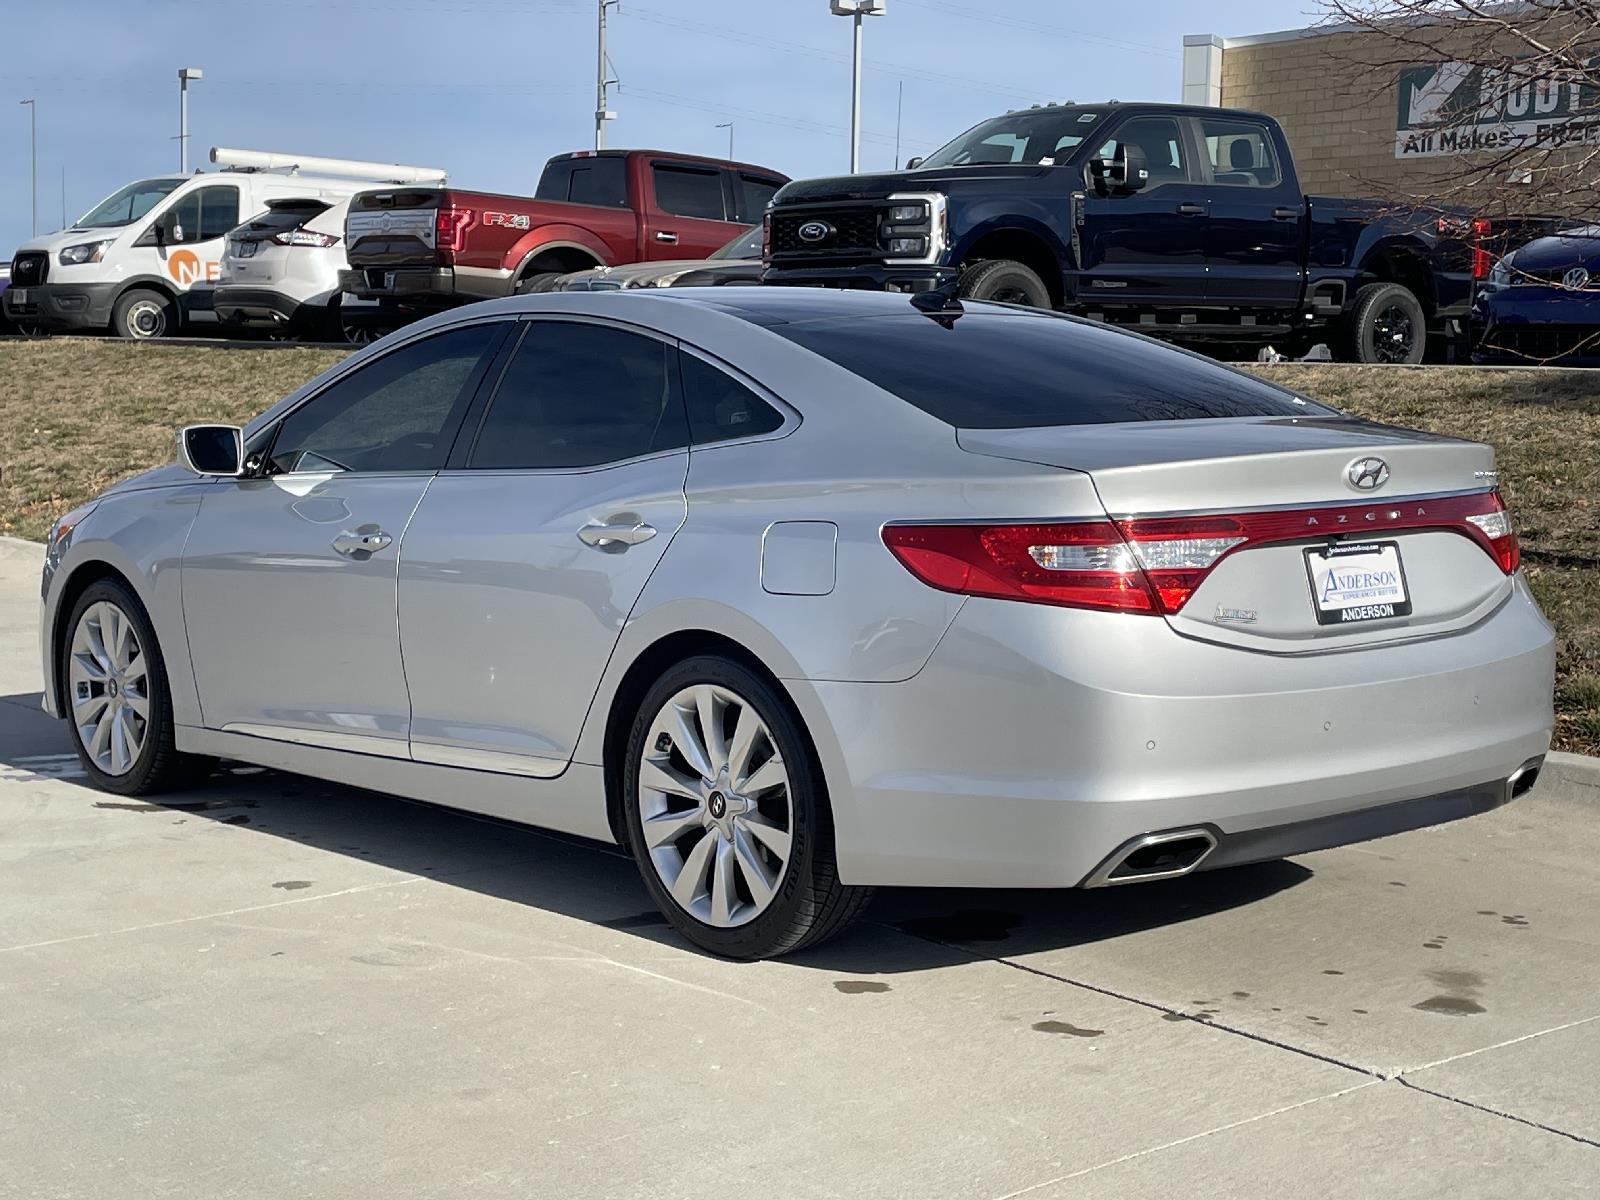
[1240,153]
[1160,141]
[689,193]
[993,371]
[581,395]
[398,413]
[128,205]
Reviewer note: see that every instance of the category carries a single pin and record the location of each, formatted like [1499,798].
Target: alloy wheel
[715,806]
[109,687]
[1392,335]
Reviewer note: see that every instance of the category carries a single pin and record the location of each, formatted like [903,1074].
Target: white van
[145,261]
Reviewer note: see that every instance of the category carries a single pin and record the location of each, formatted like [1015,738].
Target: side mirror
[1128,171]
[212,449]
[913,163]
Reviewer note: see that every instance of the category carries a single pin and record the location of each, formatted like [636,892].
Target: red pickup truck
[416,248]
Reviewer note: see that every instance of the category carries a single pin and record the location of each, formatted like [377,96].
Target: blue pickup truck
[1183,222]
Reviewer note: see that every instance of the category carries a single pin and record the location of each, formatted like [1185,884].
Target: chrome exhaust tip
[1523,778]
[1154,856]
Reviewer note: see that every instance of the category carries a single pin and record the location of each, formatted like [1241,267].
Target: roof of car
[786,305]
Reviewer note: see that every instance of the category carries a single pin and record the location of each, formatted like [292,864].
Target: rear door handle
[619,536]
[1190,210]
[664,236]
[361,543]
[1285,214]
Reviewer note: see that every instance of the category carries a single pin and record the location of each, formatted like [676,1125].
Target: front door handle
[616,537]
[361,543]
[664,236]
[1285,214]
[1190,210]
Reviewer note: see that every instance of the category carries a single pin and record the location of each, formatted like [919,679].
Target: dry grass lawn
[78,414]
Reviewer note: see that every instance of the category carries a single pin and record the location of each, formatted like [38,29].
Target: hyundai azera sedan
[795,592]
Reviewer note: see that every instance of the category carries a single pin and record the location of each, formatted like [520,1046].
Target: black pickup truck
[1183,222]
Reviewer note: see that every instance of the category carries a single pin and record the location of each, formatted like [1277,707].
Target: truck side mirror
[1128,171]
[913,163]
[212,449]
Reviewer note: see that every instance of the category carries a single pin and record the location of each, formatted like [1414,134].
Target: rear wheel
[1387,325]
[142,313]
[118,703]
[727,815]
[1005,282]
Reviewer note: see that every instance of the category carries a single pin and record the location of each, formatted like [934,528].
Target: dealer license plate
[1357,581]
[19,295]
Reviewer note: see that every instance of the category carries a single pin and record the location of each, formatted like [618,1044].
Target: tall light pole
[33,137]
[602,111]
[856,9]
[728,125]
[185,74]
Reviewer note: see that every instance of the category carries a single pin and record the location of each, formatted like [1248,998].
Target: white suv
[280,272]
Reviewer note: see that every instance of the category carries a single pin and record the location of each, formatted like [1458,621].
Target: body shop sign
[1460,108]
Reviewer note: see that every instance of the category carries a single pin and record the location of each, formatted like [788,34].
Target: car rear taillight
[1153,565]
[305,237]
[1482,262]
[450,228]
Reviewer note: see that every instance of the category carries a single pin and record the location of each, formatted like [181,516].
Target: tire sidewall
[990,277]
[1388,296]
[160,728]
[780,926]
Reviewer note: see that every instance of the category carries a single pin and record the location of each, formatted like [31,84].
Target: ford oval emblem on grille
[1367,474]
[384,223]
[815,231]
[1576,278]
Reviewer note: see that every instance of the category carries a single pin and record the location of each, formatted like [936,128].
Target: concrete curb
[12,547]
[1580,772]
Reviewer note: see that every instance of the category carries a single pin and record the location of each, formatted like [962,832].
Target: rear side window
[580,395]
[989,371]
[689,193]
[755,193]
[720,407]
[219,211]
[1240,153]
[601,181]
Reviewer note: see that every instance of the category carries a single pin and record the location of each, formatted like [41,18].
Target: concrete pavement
[273,986]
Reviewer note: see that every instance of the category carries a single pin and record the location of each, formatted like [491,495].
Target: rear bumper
[876,277]
[1037,742]
[406,284]
[62,305]
[236,305]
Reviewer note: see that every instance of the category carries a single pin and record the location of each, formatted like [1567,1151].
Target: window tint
[1015,372]
[1161,142]
[722,408]
[577,395]
[1240,153]
[688,193]
[397,414]
[219,212]
[586,181]
[754,195]
[282,215]
[183,219]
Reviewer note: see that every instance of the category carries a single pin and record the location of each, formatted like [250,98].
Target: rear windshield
[994,371]
[282,215]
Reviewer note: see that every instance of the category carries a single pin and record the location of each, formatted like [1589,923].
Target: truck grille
[851,233]
[29,270]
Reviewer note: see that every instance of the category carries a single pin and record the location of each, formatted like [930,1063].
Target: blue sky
[489,89]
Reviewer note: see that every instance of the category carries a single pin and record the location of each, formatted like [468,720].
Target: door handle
[619,536]
[362,543]
[664,236]
[1285,214]
[1190,210]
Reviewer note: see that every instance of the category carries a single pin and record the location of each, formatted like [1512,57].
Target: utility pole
[899,103]
[33,137]
[185,74]
[728,125]
[602,111]
[856,9]
[63,197]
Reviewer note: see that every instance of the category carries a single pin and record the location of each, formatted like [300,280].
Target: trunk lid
[1288,485]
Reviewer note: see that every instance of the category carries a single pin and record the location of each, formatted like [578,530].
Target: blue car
[1541,303]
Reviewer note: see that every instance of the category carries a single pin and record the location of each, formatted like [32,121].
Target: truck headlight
[913,246]
[84,252]
[907,213]
[912,226]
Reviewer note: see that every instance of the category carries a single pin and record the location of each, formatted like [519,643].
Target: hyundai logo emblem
[1576,278]
[815,231]
[1367,474]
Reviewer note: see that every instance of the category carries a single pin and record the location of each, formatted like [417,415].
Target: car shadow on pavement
[905,929]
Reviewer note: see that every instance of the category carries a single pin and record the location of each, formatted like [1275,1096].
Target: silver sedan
[795,592]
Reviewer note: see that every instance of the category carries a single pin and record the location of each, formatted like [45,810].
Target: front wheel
[118,703]
[142,314]
[1387,325]
[1004,282]
[728,817]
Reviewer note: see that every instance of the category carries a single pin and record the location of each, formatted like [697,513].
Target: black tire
[1005,281]
[810,904]
[537,285]
[158,767]
[142,313]
[1386,325]
[334,327]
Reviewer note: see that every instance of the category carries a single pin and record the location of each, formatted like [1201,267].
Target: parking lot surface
[275,986]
